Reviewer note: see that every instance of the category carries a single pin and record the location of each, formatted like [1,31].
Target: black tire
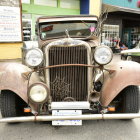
[130,100]
[10,104]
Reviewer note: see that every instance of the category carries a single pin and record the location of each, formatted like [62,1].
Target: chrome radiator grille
[70,82]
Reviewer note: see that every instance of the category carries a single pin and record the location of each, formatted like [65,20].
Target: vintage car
[66,77]
[131,54]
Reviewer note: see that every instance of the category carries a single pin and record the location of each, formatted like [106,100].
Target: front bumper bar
[79,117]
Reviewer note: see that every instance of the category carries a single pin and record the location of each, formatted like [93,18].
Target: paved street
[99,130]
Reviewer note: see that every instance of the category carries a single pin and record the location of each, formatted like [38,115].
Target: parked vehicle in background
[58,80]
[131,54]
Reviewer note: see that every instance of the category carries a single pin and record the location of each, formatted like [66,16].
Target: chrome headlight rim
[111,55]
[36,84]
[41,55]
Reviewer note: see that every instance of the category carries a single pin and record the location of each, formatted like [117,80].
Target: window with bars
[110,34]
[26,26]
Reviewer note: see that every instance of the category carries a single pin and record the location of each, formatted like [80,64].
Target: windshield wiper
[85,24]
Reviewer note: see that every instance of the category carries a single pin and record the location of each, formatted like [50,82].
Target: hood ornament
[67,33]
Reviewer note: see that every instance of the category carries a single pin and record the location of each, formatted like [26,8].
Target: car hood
[131,52]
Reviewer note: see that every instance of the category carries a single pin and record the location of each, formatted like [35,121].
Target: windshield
[62,28]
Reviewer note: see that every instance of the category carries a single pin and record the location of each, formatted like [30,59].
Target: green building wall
[36,10]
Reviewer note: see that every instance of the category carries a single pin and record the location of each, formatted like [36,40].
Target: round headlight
[103,55]
[38,93]
[34,57]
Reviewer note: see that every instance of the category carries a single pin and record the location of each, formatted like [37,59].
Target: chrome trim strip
[68,19]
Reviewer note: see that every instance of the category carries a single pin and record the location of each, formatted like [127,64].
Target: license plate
[66,113]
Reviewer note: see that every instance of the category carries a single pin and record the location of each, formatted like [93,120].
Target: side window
[52,3]
[26,1]
[72,4]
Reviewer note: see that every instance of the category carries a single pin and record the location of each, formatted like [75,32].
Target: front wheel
[129,100]
[11,105]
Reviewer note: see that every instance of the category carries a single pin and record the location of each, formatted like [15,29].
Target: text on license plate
[67,113]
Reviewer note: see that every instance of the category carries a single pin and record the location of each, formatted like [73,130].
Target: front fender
[11,78]
[126,73]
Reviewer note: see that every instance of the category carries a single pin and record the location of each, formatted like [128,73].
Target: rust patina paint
[11,79]
[126,73]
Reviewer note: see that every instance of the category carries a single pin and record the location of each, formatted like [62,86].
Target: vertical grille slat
[71,81]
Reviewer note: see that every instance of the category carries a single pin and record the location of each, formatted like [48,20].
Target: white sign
[10,24]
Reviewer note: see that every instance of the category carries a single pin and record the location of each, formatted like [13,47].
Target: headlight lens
[38,93]
[103,55]
[34,57]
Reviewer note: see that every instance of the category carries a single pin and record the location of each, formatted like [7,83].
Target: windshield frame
[75,19]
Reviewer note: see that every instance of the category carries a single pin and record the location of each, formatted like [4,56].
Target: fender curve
[126,73]
[11,79]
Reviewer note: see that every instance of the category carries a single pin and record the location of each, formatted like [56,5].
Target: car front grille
[68,83]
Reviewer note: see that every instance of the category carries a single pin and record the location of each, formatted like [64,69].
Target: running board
[79,117]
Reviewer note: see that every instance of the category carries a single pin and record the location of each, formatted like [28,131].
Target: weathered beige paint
[95,7]
[10,50]
[126,73]
[11,79]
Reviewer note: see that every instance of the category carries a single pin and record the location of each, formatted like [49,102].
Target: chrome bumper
[79,117]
